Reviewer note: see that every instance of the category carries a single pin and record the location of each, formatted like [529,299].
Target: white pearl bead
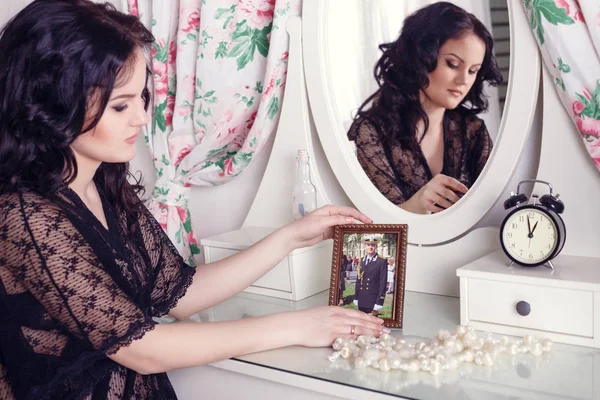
[333,357]
[406,352]
[547,343]
[443,334]
[338,344]
[346,352]
[453,362]
[536,349]
[441,358]
[384,365]
[528,339]
[513,349]
[477,344]
[372,354]
[468,355]
[469,338]
[435,367]
[461,330]
[458,346]
[425,364]
[395,364]
[419,346]
[413,366]
[359,363]
[487,359]
[478,360]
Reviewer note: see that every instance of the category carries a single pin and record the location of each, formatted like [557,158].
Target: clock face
[529,236]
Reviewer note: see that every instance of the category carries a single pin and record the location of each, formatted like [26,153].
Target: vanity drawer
[552,309]
[277,278]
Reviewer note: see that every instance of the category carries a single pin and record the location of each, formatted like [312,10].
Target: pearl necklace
[443,352]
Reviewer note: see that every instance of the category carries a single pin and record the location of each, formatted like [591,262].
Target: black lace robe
[399,170]
[73,292]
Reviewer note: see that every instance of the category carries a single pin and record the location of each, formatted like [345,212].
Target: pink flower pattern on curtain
[219,71]
[568,34]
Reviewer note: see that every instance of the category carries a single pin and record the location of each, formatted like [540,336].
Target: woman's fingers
[361,327]
[450,195]
[453,184]
[349,313]
[348,212]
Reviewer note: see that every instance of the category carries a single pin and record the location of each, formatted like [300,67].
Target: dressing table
[567,372]
[535,139]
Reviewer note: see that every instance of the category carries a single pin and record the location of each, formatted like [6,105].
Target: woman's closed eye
[454,66]
[120,108]
[451,65]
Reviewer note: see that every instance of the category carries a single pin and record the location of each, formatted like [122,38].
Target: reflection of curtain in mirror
[354,36]
[568,33]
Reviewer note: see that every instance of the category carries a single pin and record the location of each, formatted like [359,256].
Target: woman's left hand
[318,225]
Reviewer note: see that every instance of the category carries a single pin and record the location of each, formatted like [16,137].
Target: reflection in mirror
[425,131]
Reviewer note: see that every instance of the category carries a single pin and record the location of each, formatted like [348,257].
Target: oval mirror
[340,48]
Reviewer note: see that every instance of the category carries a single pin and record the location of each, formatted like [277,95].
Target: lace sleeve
[371,156]
[43,254]
[172,276]
[480,148]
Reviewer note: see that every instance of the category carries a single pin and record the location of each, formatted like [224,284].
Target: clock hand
[534,226]
[528,227]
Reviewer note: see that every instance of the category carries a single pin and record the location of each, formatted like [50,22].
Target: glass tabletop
[567,372]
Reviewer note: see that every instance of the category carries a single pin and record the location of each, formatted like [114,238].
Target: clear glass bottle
[304,195]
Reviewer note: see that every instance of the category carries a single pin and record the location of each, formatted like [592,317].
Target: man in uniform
[371,281]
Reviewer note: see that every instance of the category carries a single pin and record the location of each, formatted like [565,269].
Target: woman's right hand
[320,326]
[440,193]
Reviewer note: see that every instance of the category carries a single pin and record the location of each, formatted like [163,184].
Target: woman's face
[458,63]
[113,139]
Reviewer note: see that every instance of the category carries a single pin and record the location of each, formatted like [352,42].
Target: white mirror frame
[521,99]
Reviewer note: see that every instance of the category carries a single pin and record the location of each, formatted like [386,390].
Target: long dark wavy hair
[401,72]
[55,57]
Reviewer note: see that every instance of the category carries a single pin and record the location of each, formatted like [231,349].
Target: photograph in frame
[369,269]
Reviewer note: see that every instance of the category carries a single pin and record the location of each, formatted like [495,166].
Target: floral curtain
[219,75]
[568,34]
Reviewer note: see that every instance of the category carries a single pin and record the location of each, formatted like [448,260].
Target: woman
[84,267]
[418,137]
[391,261]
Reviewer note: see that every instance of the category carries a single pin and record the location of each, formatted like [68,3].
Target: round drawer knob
[523,308]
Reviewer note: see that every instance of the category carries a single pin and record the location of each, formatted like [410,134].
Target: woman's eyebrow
[460,59]
[122,96]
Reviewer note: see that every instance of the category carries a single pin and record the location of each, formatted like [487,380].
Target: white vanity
[294,373]
[534,139]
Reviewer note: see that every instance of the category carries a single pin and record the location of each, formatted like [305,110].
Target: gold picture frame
[357,279]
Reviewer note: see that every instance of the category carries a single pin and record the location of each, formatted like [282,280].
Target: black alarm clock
[533,234]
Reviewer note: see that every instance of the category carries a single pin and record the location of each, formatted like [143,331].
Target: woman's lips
[132,139]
